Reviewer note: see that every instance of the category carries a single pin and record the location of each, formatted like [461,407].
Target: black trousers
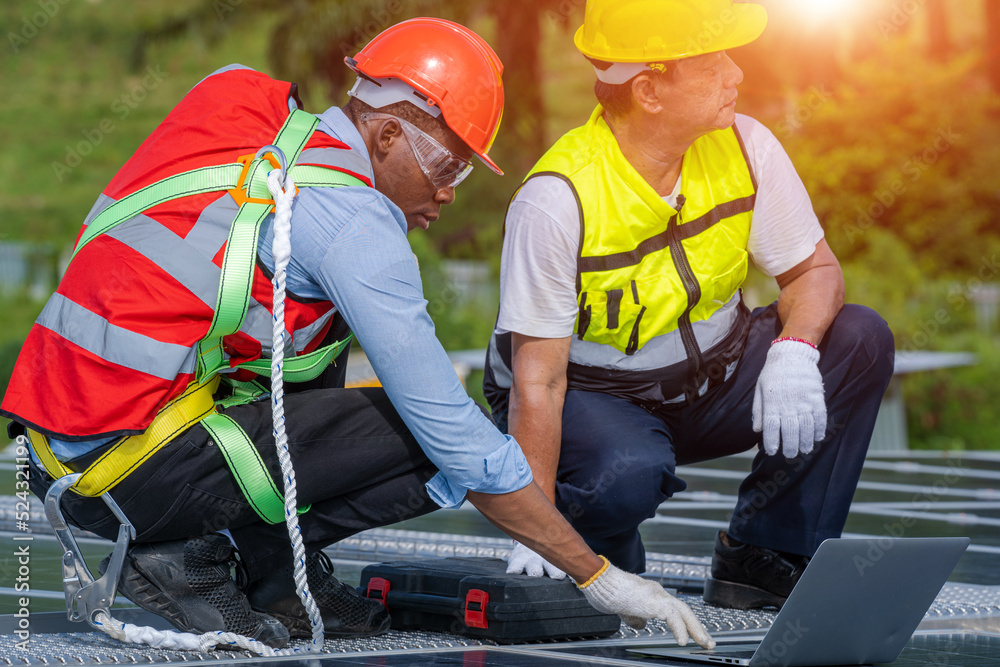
[355,463]
[619,460]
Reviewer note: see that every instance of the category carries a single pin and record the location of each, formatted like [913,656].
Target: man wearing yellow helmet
[623,348]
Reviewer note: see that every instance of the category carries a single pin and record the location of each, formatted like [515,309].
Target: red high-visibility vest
[118,339]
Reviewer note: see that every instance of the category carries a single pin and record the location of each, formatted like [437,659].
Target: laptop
[858,602]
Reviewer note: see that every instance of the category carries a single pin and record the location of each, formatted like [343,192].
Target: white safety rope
[282,188]
[281,250]
[183,641]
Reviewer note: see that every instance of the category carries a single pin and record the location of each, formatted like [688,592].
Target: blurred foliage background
[888,108]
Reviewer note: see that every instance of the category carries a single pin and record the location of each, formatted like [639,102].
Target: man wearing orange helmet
[140,374]
[623,348]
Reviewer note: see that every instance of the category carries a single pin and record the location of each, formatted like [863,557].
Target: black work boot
[188,583]
[345,613]
[747,577]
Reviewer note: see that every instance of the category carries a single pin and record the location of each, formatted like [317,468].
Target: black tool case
[475,597]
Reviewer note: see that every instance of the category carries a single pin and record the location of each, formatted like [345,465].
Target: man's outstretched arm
[536,404]
[528,516]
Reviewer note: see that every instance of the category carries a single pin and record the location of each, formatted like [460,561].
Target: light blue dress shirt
[349,246]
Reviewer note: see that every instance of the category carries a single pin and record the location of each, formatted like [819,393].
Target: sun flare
[824,9]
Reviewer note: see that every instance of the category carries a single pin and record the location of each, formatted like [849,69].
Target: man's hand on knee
[789,406]
[524,560]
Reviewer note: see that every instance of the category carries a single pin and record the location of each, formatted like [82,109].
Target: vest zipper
[693,289]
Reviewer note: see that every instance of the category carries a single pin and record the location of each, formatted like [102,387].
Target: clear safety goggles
[443,168]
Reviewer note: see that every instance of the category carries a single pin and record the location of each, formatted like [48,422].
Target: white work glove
[637,600]
[788,402]
[524,560]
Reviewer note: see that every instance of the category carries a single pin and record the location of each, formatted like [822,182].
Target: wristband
[603,569]
[797,340]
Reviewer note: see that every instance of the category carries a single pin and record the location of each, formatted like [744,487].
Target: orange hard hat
[452,70]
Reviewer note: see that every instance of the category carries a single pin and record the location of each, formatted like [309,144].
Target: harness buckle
[241,192]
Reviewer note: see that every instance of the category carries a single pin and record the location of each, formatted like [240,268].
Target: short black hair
[617,99]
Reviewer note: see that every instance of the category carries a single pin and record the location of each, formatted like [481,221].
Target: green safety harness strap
[240,393]
[246,181]
[247,467]
[241,248]
[185,184]
[297,369]
[302,368]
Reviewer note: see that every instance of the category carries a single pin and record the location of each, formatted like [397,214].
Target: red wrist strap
[797,340]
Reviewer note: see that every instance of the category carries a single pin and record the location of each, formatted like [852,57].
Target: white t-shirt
[542,239]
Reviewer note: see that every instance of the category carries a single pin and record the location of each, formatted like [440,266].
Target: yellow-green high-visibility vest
[646,269]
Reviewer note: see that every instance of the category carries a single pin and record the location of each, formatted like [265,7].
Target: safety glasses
[443,168]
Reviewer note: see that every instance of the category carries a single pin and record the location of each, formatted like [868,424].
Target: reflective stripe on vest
[650,274]
[150,285]
[189,261]
[120,346]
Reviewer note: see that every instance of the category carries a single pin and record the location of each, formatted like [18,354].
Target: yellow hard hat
[632,31]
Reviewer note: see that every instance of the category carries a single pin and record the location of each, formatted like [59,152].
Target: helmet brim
[490,163]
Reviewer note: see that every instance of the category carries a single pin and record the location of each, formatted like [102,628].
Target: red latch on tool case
[378,589]
[476,618]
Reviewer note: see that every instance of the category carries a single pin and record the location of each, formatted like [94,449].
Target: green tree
[899,147]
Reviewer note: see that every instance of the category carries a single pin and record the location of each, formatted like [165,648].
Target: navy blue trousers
[619,460]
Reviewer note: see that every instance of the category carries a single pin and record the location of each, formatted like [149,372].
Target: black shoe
[188,583]
[345,613]
[747,577]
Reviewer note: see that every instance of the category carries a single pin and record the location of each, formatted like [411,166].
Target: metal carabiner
[279,154]
[85,596]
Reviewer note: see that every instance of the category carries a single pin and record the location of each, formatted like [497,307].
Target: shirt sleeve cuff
[445,493]
[505,470]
